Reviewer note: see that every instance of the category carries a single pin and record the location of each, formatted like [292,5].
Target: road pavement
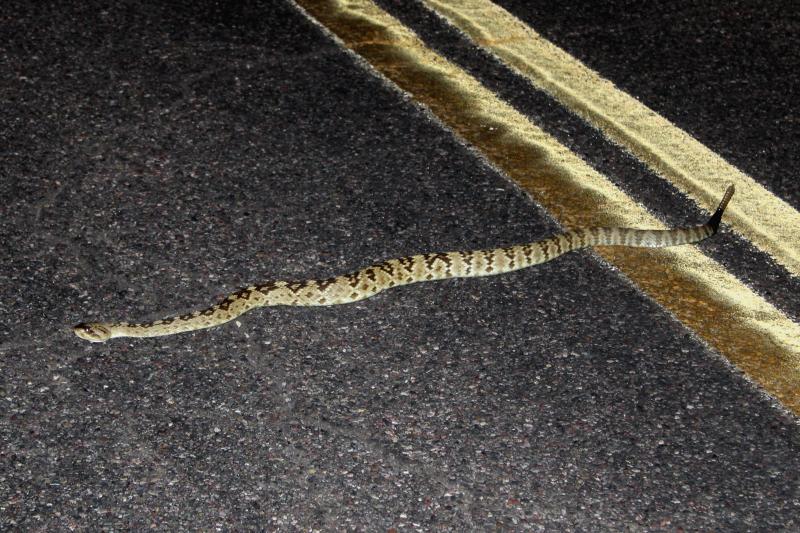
[156,156]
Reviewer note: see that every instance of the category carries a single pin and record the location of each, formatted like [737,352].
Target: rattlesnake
[395,272]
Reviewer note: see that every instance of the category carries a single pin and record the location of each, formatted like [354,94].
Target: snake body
[403,271]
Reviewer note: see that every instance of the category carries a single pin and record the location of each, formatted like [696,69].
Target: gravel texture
[157,156]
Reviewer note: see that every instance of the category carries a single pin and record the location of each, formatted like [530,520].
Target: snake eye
[92,332]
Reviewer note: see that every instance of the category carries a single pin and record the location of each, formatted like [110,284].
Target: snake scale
[403,271]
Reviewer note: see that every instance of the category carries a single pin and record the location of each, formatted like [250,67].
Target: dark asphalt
[154,158]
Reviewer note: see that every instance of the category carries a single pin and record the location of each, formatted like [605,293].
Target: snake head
[92,332]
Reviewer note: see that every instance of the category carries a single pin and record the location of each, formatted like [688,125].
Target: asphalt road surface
[156,156]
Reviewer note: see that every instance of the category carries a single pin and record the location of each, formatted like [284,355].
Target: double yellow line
[745,328]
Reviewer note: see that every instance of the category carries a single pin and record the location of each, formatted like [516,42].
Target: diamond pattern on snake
[371,280]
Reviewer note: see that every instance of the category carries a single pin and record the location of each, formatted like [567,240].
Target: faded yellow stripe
[764,219]
[744,327]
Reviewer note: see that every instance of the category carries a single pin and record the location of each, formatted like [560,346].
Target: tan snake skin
[395,272]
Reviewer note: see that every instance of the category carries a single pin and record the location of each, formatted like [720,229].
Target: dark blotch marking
[325,283]
[353,279]
[241,293]
[468,258]
[407,263]
[385,267]
[489,260]
[543,246]
[510,255]
[295,286]
[266,287]
[430,260]
[527,252]
[581,236]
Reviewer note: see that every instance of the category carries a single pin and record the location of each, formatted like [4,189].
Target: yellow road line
[741,325]
[764,219]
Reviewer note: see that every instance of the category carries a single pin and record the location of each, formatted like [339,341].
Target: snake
[373,279]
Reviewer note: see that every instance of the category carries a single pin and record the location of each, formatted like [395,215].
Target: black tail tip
[716,218]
